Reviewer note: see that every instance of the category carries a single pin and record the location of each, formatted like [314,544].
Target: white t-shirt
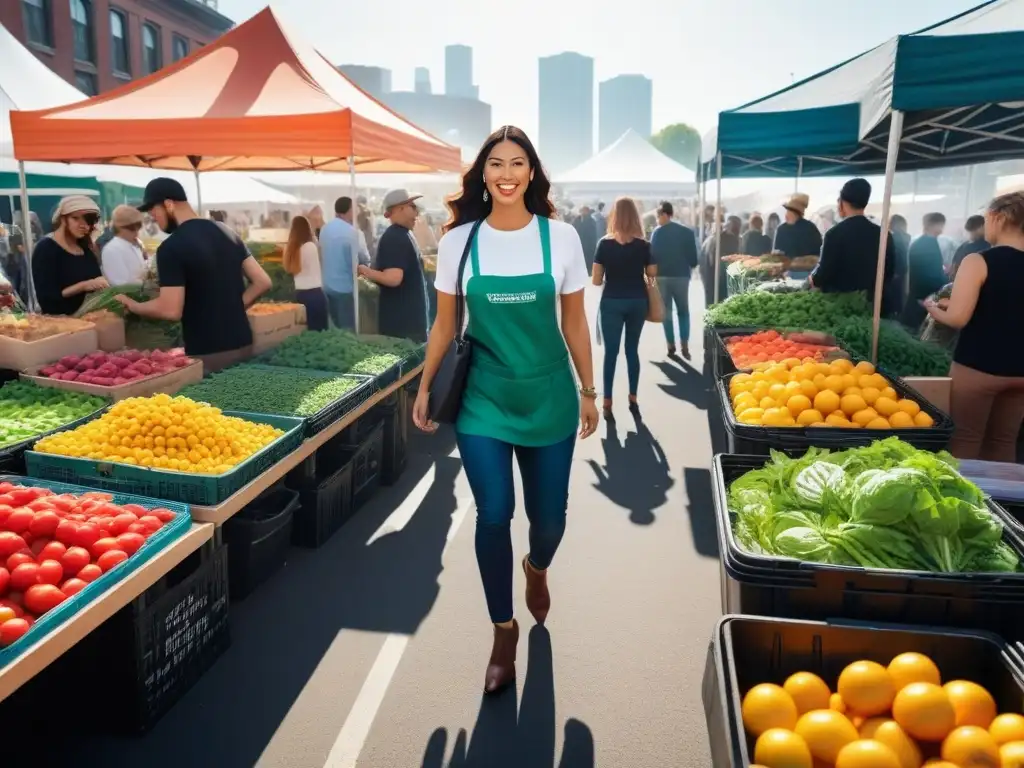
[122,262]
[510,254]
[309,274]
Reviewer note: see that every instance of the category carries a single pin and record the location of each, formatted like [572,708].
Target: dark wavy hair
[468,204]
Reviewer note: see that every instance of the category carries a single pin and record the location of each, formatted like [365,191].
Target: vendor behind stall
[122,259]
[798,236]
[849,252]
[65,265]
[926,269]
[201,266]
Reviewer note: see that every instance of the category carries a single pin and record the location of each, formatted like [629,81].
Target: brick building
[97,45]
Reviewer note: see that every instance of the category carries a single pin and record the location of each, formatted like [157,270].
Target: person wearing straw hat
[65,265]
[122,258]
[797,236]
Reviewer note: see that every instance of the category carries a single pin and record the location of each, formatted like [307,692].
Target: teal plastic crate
[154,544]
[205,490]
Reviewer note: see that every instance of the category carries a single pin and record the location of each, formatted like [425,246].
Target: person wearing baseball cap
[797,236]
[123,260]
[849,253]
[202,267]
[65,265]
[399,271]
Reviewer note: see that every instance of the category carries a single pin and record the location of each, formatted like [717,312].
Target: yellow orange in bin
[864,368]
[849,382]
[767,706]
[867,753]
[971,746]
[924,711]
[781,748]
[1011,754]
[1007,728]
[909,407]
[864,417]
[826,401]
[777,391]
[870,394]
[923,420]
[885,406]
[835,383]
[889,392]
[768,402]
[808,691]
[899,741]
[808,389]
[866,687]
[878,423]
[900,420]
[837,419]
[972,703]
[851,404]
[809,418]
[910,667]
[836,702]
[797,404]
[826,732]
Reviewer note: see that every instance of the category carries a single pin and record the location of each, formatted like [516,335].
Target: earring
[486,196]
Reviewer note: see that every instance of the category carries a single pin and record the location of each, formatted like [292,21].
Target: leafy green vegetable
[887,505]
[282,391]
[341,352]
[28,410]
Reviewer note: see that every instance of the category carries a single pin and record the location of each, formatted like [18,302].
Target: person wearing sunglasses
[122,257]
[65,265]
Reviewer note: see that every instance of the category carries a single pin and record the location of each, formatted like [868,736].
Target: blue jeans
[342,309]
[545,473]
[315,302]
[676,290]
[616,316]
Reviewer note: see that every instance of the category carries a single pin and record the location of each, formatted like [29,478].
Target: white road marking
[354,733]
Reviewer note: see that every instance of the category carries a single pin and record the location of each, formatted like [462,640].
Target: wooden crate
[167,383]
[276,321]
[22,355]
[264,342]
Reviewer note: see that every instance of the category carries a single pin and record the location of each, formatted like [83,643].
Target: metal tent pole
[799,174]
[702,189]
[355,254]
[895,134]
[718,224]
[199,192]
[26,237]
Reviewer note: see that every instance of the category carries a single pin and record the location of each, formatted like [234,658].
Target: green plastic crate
[205,490]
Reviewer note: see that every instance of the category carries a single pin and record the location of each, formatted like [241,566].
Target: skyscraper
[566,108]
[458,71]
[624,103]
[422,80]
[376,81]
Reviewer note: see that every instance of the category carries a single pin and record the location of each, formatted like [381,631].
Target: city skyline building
[421,80]
[376,81]
[566,109]
[458,72]
[624,102]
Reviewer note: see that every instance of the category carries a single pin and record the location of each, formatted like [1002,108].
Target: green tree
[679,141]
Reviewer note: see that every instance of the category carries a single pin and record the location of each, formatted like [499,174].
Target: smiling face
[507,173]
[80,225]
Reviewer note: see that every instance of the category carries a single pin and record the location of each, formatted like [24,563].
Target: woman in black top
[65,266]
[624,265]
[988,372]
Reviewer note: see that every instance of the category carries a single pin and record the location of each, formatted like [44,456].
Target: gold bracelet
[589,392]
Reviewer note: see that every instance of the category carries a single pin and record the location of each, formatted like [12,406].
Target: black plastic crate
[747,650]
[160,645]
[366,467]
[397,410]
[760,441]
[259,536]
[335,452]
[325,503]
[722,360]
[304,473]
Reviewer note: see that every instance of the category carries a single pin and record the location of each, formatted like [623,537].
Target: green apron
[520,388]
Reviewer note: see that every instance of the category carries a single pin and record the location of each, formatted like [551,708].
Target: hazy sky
[703,55]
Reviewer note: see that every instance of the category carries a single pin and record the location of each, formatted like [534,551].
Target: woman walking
[302,261]
[521,397]
[988,380]
[624,266]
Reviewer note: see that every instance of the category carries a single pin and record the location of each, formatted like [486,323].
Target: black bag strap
[460,296]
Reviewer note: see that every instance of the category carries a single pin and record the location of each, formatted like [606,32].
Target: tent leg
[26,237]
[718,224]
[199,193]
[895,134]
[799,174]
[355,256]
[702,187]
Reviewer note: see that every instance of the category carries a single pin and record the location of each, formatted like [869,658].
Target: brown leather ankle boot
[501,669]
[538,599]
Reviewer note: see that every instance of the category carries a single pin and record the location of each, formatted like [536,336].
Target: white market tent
[630,166]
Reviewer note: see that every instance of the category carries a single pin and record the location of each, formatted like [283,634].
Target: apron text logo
[521,297]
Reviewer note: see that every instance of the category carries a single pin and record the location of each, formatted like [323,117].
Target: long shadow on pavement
[282,632]
[500,739]
[686,382]
[635,475]
[701,510]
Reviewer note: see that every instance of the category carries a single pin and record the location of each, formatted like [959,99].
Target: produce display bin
[12,457]
[205,490]
[748,650]
[722,364]
[325,505]
[158,647]
[21,355]
[161,383]
[397,411]
[757,440]
[366,467]
[776,586]
[270,322]
[168,533]
[339,449]
[258,538]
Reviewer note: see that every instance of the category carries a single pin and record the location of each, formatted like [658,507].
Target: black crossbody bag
[450,381]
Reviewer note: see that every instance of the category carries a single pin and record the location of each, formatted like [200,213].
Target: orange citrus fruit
[867,753]
[972,703]
[837,419]
[835,701]
[835,383]
[826,732]
[870,394]
[1011,754]
[912,667]
[895,738]
[809,418]
[924,711]
[866,687]
[909,407]
[826,401]
[924,420]
[808,691]
[780,748]
[1007,728]
[850,404]
[768,706]
[972,747]
[797,404]
[865,417]
[900,420]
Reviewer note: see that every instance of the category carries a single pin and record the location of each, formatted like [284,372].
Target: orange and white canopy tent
[256,99]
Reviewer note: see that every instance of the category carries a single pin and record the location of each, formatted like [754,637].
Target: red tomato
[6,614]
[40,505]
[19,558]
[54,550]
[87,535]
[73,587]
[138,528]
[28,537]
[12,631]
[5,579]
[164,515]
[110,559]
[10,543]
[30,620]
[20,519]
[120,523]
[43,597]
[135,509]
[24,576]
[6,498]
[104,545]
[63,504]
[129,542]
[102,522]
[74,560]
[50,572]
[78,517]
[6,487]
[5,512]
[22,496]
[90,573]
[67,532]
[150,523]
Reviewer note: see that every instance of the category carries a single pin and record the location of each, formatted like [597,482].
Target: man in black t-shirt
[202,267]
[399,272]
